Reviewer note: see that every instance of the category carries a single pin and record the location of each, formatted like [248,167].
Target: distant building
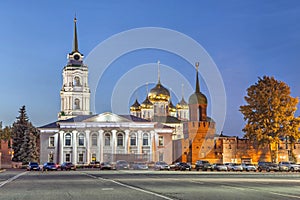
[6,153]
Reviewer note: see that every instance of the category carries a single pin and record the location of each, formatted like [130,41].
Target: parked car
[161,165]
[267,166]
[182,166]
[204,165]
[50,166]
[293,167]
[67,166]
[105,165]
[236,167]
[283,168]
[33,166]
[140,166]
[122,164]
[219,167]
[229,166]
[94,164]
[249,167]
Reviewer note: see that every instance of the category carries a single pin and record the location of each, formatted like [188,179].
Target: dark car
[105,165]
[267,166]
[161,165]
[122,164]
[67,166]
[182,166]
[50,166]
[33,166]
[204,165]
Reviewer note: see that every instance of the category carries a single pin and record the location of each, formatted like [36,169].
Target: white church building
[80,137]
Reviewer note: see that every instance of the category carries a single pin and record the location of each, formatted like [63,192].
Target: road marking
[285,195]
[227,186]
[107,189]
[141,190]
[11,179]
[130,187]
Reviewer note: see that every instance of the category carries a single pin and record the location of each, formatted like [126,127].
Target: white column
[139,141]
[61,146]
[74,147]
[153,143]
[100,146]
[88,150]
[126,140]
[113,142]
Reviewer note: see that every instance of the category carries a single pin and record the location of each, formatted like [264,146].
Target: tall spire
[75,42]
[197,79]
[158,71]
[182,92]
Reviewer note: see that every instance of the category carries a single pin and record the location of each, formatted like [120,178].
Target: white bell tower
[75,92]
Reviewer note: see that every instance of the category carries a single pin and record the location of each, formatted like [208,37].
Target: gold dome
[172,108]
[159,93]
[135,106]
[146,104]
[182,104]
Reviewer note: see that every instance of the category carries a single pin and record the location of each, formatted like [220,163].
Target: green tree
[25,137]
[269,114]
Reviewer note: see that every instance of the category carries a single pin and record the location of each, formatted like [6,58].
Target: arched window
[145,139]
[68,139]
[77,81]
[133,139]
[107,139]
[94,139]
[81,139]
[120,139]
[77,104]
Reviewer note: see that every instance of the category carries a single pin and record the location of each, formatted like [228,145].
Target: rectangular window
[68,157]
[160,141]
[145,141]
[81,141]
[80,157]
[133,141]
[51,141]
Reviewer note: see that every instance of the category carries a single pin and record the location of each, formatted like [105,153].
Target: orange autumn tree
[269,114]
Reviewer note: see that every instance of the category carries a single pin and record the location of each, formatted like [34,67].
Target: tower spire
[75,42]
[197,79]
[182,92]
[158,71]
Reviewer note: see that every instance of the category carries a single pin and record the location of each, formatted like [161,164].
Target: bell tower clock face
[76,57]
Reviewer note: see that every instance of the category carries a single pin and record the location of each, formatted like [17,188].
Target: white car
[249,167]
[161,165]
[293,167]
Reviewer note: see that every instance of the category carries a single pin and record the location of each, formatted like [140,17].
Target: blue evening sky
[245,39]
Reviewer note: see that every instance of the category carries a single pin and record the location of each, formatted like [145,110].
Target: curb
[2,170]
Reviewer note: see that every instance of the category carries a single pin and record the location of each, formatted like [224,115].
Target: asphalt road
[132,185]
